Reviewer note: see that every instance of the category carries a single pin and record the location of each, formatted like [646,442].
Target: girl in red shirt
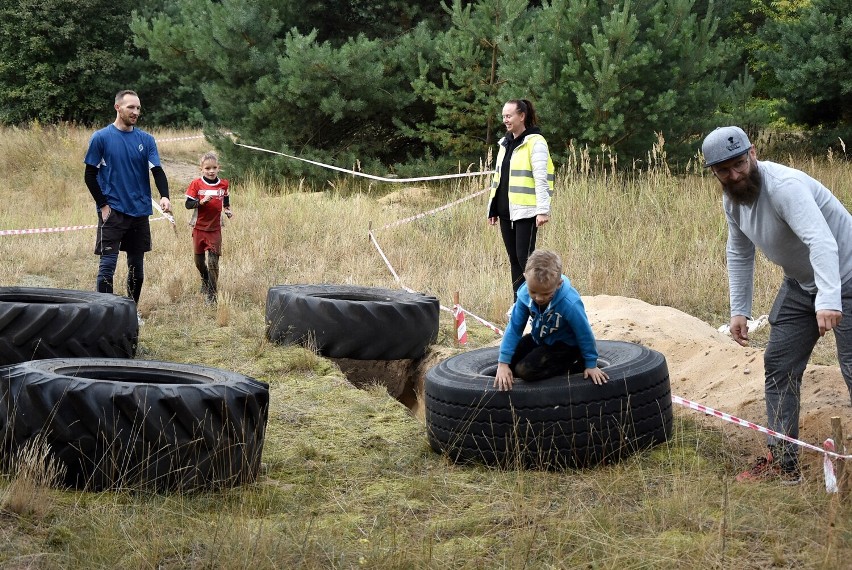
[208,197]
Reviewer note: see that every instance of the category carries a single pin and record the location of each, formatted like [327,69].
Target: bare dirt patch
[708,367]
[179,173]
[404,379]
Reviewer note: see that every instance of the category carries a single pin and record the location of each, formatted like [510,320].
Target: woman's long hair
[525,106]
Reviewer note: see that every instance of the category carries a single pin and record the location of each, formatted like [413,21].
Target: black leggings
[519,239]
[209,272]
[532,362]
[135,274]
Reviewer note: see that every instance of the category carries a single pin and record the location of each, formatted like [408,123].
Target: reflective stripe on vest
[521,181]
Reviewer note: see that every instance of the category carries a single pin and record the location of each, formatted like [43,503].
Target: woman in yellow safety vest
[522,185]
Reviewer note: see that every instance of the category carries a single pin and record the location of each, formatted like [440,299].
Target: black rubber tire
[557,423]
[119,423]
[37,323]
[347,321]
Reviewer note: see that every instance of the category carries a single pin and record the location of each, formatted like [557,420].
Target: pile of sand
[708,367]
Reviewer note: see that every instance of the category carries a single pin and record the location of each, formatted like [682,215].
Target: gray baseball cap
[723,144]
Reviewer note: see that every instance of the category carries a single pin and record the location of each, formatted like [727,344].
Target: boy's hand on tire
[597,375]
[503,380]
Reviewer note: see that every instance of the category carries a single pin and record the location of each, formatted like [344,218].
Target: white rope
[370,176]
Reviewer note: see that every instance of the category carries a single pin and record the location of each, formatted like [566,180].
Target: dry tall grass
[351,481]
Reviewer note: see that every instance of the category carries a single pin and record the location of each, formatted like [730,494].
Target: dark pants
[135,274]
[120,232]
[792,338]
[532,361]
[519,239]
[209,273]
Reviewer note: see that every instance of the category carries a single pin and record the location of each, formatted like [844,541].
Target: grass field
[350,480]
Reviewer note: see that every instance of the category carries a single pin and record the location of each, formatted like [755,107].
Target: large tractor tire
[38,323]
[560,422]
[118,423]
[346,321]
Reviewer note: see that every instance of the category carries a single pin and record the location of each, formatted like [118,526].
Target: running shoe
[768,469]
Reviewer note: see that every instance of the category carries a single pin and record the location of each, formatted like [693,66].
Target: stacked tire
[107,421]
[118,423]
[557,423]
[37,323]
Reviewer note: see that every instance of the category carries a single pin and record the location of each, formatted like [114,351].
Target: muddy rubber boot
[212,276]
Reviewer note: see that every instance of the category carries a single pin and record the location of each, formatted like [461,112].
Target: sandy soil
[708,367]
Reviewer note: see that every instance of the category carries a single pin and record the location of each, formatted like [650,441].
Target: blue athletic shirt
[123,160]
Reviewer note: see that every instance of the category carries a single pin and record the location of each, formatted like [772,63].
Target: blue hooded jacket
[563,320]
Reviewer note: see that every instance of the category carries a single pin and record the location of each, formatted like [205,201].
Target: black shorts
[533,361]
[121,232]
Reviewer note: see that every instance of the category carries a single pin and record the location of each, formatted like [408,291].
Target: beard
[127,119]
[746,191]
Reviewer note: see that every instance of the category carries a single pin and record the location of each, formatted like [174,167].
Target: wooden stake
[836,498]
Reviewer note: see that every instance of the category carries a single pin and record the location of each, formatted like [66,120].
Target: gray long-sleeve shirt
[798,224]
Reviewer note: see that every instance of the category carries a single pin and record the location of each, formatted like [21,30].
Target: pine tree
[811,57]
[284,90]
[462,80]
[618,74]
[57,58]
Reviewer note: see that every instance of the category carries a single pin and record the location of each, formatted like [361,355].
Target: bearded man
[802,227]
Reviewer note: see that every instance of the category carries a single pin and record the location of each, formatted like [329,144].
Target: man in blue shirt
[117,164]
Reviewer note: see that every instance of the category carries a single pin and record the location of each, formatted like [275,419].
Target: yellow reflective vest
[524,200]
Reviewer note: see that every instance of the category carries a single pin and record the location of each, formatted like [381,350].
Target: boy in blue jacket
[561,341]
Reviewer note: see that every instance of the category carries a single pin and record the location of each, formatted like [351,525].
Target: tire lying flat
[118,423]
[561,422]
[346,321]
[38,323]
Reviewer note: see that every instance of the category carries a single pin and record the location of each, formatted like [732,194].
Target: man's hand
[493,221]
[827,320]
[541,219]
[165,205]
[105,212]
[503,379]
[739,329]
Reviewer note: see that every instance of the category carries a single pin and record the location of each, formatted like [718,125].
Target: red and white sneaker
[768,469]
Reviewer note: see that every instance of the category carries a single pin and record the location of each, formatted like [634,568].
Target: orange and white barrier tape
[461,327]
[180,138]
[165,215]
[384,257]
[59,229]
[827,450]
[443,308]
[430,212]
[750,425]
[828,467]
[45,230]
[483,321]
[396,276]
